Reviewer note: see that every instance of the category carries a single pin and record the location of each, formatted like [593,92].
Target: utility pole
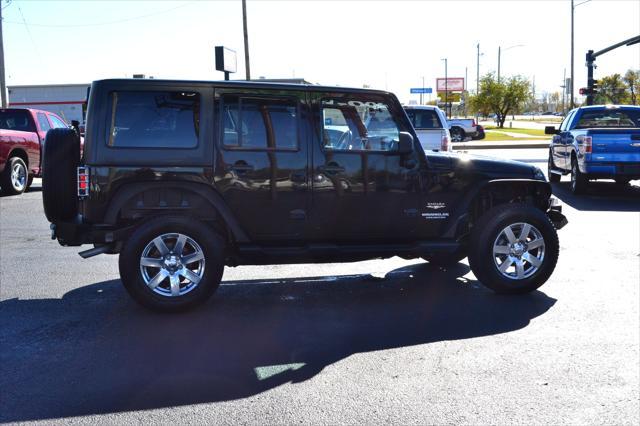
[246,40]
[3,87]
[564,88]
[446,90]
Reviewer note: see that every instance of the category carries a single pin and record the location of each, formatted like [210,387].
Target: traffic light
[592,89]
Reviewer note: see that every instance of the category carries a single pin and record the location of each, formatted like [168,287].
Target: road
[376,342]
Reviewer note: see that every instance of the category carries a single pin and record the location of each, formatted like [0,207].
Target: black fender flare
[212,197]
[460,214]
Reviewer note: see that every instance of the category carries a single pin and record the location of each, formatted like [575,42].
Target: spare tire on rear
[60,160]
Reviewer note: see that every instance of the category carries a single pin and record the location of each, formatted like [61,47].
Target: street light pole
[246,40]
[498,64]
[478,70]
[573,6]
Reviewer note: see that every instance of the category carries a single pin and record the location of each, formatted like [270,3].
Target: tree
[612,90]
[500,97]
[632,80]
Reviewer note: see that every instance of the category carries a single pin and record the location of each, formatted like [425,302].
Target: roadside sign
[451,84]
[421,90]
[452,97]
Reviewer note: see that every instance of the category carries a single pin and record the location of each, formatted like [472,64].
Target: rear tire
[155,267]
[60,160]
[553,177]
[15,177]
[579,180]
[520,240]
[457,134]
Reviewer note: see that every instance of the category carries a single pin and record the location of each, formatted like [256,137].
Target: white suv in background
[431,127]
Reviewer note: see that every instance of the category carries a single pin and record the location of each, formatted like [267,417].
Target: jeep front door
[363,189]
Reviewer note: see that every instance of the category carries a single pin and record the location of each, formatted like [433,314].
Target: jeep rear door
[363,190]
[261,160]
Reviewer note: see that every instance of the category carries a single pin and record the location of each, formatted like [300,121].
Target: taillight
[83,182]
[586,144]
[445,142]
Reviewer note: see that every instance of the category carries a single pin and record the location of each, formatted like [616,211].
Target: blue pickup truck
[596,142]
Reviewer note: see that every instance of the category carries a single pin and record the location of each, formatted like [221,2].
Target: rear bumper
[76,234]
[612,169]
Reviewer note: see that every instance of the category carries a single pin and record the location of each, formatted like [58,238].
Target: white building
[66,100]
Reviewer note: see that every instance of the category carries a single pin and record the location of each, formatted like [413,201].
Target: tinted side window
[259,123]
[16,119]
[43,122]
[154,119]
[566,121]
[57,123]
[358,125]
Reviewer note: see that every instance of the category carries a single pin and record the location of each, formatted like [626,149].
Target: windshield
[16,119]
[609,118]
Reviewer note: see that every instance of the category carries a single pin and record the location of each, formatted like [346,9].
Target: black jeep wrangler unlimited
[182,178]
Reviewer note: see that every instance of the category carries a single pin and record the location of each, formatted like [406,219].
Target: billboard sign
[451,84]
[225,59]
[421,90]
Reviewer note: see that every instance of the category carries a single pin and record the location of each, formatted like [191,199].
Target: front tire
[15,177]
[172,263]
[513,249]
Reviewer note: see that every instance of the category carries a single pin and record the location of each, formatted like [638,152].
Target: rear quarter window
[154,119]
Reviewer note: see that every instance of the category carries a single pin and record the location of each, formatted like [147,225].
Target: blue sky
[385,44]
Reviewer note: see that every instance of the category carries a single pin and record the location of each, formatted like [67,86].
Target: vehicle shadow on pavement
[95,351]
[600,196]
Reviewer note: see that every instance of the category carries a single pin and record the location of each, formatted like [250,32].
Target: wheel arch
[491,193]
[139,200]
[20,153]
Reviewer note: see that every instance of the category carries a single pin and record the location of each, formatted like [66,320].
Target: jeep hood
[494,168]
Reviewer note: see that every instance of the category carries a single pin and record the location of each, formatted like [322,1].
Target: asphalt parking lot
[364,343]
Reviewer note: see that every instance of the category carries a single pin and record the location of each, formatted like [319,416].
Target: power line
[96,24]
[35,47]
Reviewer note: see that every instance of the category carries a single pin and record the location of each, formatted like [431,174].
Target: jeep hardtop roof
[255,84]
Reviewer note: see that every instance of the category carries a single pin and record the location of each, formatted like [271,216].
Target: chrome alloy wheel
[518,257]
[172,264]
[18,176]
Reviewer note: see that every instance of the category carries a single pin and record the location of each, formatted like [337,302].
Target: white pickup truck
[431,127]
[462,128]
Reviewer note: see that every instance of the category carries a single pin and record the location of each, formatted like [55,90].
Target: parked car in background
[430,124]
[596,142]
[22,134]
[462,128]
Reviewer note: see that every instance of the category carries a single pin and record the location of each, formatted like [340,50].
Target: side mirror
[551,130]
[405,143]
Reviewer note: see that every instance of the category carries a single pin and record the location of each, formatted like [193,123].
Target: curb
[460,146]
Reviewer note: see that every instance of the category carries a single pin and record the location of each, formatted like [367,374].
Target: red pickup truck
[22,133]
